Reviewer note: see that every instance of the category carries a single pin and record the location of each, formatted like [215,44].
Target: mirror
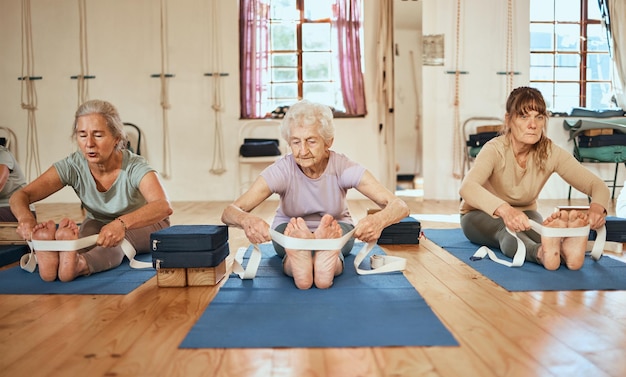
[407,110]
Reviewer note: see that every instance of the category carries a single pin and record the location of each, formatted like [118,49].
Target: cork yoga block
[171,277]
[198,276]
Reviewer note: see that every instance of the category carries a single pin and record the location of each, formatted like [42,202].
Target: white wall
[482,92]
[124,50]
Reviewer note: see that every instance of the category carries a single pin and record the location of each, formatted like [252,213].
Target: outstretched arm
[393,209]
[157,208]
[239,214]
[43,186]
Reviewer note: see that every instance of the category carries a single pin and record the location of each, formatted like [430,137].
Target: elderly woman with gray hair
[122,195]
[312,182]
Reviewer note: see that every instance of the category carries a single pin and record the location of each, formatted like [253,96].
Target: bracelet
[123,223]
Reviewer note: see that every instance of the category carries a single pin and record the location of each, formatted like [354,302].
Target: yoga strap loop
[379,263]
[520,254]
[28,262]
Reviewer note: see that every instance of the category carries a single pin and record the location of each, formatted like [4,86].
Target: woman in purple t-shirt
[312,182]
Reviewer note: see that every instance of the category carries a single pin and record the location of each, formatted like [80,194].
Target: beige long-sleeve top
[496,178]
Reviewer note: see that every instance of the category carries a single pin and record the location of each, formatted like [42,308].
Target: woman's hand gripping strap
[28,262]
[520,255]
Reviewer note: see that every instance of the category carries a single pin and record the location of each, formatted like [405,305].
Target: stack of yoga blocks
[190,255]
[12,246]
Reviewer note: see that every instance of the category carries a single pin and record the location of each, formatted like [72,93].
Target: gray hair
[305,113]
[110,114]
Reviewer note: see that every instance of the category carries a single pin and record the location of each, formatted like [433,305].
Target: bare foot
[299,263]
[48,261]
[326,264]
[573,248]
[70,265]
[549,253]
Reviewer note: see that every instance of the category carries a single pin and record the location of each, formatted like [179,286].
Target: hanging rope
[218,166]
[165,103]
[28,92]
[418,122]
[81,82]
[509,48]
[457,157]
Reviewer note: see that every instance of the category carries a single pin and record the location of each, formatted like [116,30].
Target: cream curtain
[617,25]
[385,89]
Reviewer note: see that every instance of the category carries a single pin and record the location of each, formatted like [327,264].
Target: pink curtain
[253,55]
[348,24]
[254,48]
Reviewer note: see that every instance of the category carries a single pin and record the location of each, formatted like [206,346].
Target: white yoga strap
[28,262]
[379,263]
[520,254]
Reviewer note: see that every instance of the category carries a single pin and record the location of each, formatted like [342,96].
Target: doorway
[407,29]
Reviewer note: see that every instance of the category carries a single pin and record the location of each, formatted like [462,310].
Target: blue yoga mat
[118,281]
[605,274]
[357,311]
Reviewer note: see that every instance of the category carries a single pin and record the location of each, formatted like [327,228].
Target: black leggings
[483,229]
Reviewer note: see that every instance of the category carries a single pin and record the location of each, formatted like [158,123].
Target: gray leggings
[102,259]
[483,229]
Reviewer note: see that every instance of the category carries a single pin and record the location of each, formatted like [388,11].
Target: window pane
[598,67]
[281,91]
[567,67]
[541,37]
[284,60]
[320,92]
[547,90]
[567,37]
[566,96]
[541,67]
[593,10]
[283,37]
[596,38]
[316,37]
[316,66]
[318,9]
[541,10]
[284,10]
[567,10]
[599,96]
[284,74]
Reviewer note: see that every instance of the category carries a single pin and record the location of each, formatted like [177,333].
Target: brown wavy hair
[521,101]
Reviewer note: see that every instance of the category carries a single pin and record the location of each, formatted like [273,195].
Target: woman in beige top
[510,171]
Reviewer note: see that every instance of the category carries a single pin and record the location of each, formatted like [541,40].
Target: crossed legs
[66,265]
[571,250]
[307,267]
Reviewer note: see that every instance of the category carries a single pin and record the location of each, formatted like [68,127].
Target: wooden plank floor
[500,333]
